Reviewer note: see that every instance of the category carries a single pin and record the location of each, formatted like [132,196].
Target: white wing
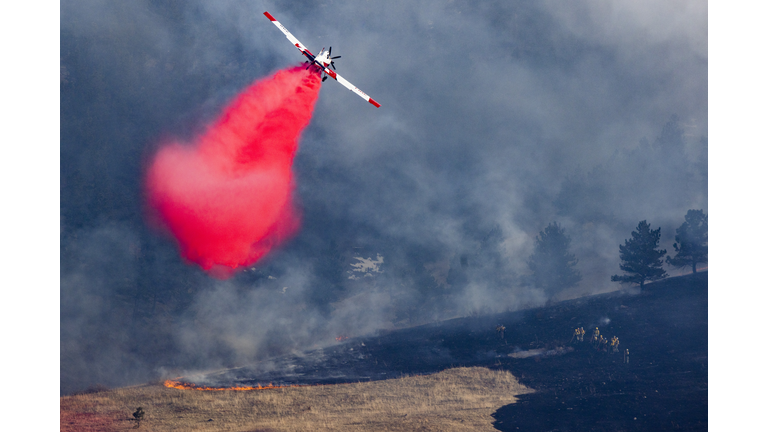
[290,37]
[351,87]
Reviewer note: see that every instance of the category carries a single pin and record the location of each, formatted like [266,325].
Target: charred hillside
[664,385]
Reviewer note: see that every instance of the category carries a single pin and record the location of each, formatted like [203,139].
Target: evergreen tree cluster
[599,197]
[642,260]
[553,266]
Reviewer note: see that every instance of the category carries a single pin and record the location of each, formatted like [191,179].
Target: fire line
[187,386]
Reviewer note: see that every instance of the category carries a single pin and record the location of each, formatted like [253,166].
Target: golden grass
[460,399]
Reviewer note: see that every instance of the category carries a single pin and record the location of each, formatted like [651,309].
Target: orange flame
[187,386]
[341,338]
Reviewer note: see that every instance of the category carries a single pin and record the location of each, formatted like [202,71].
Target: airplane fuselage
[321,61]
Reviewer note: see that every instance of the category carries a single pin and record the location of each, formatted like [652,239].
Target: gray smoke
[497,118]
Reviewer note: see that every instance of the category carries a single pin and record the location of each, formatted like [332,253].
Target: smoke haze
[497,118]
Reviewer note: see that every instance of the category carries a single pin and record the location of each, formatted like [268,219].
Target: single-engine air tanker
[321,61]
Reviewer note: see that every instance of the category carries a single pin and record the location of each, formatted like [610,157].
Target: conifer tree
[691,241]
[553,266]
[640,258]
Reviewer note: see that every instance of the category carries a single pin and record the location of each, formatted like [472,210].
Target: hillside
[664,387]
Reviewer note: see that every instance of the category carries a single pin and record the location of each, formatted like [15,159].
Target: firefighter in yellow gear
[581,334]
[596,337]
[603,344]
[575,336]
[615,344]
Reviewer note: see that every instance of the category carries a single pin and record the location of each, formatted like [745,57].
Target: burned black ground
[664,387]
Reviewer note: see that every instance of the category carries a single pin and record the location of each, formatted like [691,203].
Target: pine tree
[691,241]
[640,258]
[551,263]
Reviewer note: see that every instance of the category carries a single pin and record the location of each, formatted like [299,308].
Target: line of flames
[187,386]
[175,383]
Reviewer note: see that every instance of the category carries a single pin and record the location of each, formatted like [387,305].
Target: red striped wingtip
[376,104]
[271,18]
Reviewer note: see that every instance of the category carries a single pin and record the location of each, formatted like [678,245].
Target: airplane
[322,61]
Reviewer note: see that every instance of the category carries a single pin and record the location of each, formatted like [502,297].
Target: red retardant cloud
[227,199]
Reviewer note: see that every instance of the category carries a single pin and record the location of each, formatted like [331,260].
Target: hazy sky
[497,118]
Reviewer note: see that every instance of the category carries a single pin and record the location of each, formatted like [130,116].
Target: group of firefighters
[599,342]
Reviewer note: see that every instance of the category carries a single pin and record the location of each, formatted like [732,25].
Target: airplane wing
[311,58]
[291,37]
[351,87]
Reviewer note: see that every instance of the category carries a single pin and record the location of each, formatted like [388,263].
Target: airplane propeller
[329,55]
[320,66]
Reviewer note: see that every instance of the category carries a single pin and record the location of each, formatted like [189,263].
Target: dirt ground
[460,399]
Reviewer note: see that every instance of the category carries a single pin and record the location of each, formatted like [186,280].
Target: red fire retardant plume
[227,199]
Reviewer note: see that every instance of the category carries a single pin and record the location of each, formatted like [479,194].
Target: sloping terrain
[664,386]
[576,387]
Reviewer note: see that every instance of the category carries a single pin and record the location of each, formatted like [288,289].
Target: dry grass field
[460,399]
